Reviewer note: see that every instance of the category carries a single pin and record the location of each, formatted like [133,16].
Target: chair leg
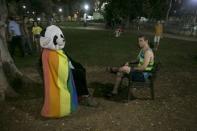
[129,90]
[152,91]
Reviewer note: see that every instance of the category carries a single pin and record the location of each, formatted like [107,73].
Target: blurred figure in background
[15,36]
[158,34]
[26,36]
[36,30]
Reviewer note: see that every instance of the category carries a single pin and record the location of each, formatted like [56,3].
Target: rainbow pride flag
[60,93]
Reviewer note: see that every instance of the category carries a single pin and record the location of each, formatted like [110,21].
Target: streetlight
[86,7]
[24,7]
[38,19]
[60,10]
[194,3]
[60,13]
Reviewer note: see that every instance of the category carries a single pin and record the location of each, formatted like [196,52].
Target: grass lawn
[100,48]
[175,88]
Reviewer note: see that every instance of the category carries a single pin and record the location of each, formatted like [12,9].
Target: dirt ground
[174,107]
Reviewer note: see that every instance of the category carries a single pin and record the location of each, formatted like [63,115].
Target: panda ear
[42,33]
[44,41]
[55,40]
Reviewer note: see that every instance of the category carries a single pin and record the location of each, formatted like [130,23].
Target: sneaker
[88,101]
[111,94]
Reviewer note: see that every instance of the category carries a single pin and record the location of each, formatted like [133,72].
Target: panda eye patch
[62,36]
[55,40]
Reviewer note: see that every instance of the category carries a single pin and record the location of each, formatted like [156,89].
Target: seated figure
[79,76]
[141,72]
[60,96]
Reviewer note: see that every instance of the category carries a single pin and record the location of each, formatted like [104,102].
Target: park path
[166,35]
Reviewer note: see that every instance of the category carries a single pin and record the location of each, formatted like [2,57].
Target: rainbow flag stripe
[60,92]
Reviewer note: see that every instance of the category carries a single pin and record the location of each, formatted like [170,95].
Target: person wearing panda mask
[60,92]
[79,75]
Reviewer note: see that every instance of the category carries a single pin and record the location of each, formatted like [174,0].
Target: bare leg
[121,71]
[117,83]
[157,46]
[37,45]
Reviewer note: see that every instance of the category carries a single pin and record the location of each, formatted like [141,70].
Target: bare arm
[132,62]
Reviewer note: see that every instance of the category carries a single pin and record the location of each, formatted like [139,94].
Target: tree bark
[3,82]
[5,88]
[9,73]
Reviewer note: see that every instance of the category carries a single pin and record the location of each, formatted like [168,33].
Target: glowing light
[38,19]
[24,7]
[60,10]
[86,7]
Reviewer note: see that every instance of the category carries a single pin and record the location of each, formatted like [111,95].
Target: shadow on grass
[29,91]
[102,90]
[195,58]
[29,101]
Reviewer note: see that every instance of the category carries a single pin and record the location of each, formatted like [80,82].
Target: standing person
[145,62]
[118,31]
[36,30]
[16,37]
[85,19]
[194,30]
[26,36]
[158,34]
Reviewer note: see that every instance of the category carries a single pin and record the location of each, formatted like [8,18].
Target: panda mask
[52,38]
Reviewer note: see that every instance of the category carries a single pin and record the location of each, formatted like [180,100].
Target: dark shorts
[140,76]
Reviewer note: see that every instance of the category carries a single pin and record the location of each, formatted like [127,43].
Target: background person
[26,36]
[158,34]
[16,37]
[36,30]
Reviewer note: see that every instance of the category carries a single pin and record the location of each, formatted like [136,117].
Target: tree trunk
[3,82]
[5,88]
[127,25]
[9,73]
[168,12]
